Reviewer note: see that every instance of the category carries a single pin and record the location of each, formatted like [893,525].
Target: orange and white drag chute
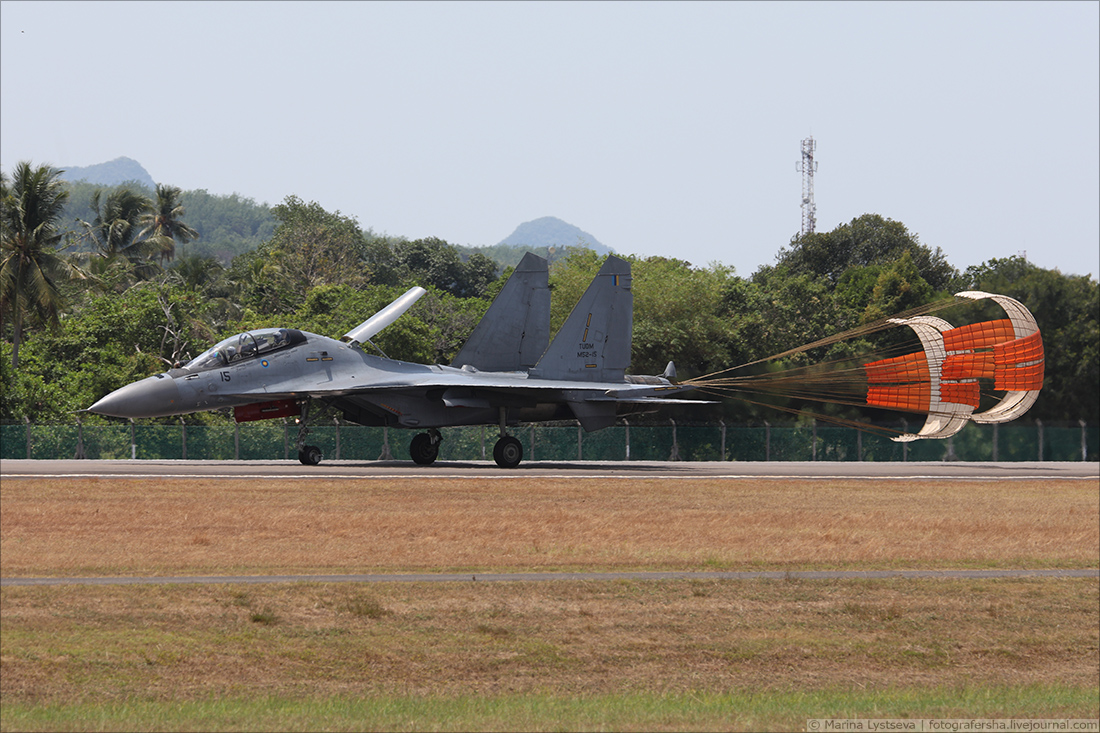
[1008,351]
[944,380]
[914,382]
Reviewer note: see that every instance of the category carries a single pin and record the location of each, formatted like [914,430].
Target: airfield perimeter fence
[273,440]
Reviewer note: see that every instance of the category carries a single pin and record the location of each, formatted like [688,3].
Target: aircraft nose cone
[151,397]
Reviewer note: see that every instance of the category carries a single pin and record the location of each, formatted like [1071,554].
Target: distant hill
[549,231]
[111,173]
[231,225]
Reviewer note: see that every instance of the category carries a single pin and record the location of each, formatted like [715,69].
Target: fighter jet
[505,374]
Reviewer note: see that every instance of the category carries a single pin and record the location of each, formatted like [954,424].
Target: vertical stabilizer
[594,343]
[516,329]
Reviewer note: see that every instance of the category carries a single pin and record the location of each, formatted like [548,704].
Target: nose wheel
[310,455]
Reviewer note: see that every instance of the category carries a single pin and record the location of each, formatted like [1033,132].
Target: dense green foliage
[1066,308]
[134,291]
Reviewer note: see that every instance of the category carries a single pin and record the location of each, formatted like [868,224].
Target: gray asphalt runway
[10,469]
[542,577]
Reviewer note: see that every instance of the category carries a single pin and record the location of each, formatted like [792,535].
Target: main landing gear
[508,451]
[424,447]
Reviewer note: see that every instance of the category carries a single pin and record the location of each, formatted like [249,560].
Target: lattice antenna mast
[808,166]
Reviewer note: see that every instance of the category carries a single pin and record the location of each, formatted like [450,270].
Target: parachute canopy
[943,379]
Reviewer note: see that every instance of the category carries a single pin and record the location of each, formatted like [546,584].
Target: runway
[365,470]
[543,577]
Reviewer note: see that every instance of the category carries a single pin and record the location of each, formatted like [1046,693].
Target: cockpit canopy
[246,346]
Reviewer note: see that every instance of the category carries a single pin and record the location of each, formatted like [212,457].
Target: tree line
[91,302]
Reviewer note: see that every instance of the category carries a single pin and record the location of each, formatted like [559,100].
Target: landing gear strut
[508,451]
[424,447]
[309,455]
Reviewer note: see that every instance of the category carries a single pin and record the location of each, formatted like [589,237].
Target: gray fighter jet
[505,374]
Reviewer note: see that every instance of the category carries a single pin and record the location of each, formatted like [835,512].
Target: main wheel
[310,455]
[508,452]
[423,450]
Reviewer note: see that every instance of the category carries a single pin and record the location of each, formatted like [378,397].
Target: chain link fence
[276,440]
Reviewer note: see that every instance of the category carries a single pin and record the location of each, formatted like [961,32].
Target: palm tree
[114,230]
[115,227]
[30,263]
[164,224]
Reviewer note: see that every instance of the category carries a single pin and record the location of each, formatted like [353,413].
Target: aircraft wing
[443,395]
[516,382]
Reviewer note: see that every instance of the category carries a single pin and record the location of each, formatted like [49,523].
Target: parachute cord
[843,422]
[873,327]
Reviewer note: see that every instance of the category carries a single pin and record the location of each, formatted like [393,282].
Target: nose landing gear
[310,455]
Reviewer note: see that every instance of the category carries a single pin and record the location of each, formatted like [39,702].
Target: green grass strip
[757,711]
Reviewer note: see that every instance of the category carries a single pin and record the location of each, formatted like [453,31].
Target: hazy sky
[660,128]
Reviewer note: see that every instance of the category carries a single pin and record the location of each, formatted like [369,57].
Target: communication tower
[808,166]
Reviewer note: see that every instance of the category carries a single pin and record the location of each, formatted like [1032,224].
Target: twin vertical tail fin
[592,346]
[515,330]
[594,343]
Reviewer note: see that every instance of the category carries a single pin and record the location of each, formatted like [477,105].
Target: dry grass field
[582,655]
[172,643]
[202,526]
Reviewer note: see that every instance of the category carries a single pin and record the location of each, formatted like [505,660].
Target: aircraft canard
[504,375]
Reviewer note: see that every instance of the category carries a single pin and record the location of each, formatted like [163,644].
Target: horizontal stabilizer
[593,415]
[649,400]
